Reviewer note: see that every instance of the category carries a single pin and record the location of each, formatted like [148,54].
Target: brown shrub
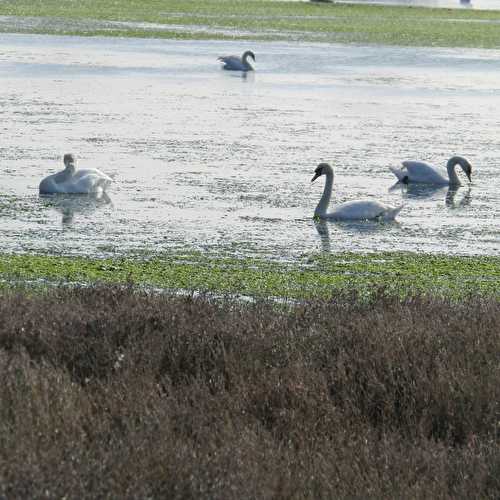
[113,393]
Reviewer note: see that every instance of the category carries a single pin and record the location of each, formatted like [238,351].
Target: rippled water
[207,159]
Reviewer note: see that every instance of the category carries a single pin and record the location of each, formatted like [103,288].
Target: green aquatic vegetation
[262,19]
[316,276]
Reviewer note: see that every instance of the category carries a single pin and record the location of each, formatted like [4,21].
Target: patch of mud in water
[219,161]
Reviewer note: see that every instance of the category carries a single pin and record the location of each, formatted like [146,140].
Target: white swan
[238,63]
[419,171]
[350,210]
[72,181]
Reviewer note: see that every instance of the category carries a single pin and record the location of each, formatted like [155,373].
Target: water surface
[208,159]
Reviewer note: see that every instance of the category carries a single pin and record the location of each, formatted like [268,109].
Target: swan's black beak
[316,175]
[467,173]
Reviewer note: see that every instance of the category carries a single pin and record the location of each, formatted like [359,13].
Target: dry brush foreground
[114,393]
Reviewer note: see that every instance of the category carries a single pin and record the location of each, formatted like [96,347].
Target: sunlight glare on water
[208,159]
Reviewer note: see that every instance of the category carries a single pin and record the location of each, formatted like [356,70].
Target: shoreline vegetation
[314,277]
[256,20]
[109,392]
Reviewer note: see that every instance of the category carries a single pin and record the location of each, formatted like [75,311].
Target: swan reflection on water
[423,191]
[366,227]
[324,234]
[245,76]
[463,202]
[73,204]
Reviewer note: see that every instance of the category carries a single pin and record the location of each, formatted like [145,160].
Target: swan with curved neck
[350,210]
[236,63]
[73,181]
[419,171]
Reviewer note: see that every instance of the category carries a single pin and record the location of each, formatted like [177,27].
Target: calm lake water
[208,159]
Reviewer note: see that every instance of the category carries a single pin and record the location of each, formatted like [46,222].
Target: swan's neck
[65,175]
[452,175]
[246,55]
[325,197]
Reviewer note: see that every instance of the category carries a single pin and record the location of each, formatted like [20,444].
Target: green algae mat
[255,19]
[317,276]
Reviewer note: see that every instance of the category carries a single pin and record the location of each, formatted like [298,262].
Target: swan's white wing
[91,183]
[91,171]
[53,184]
[363,210]
[232,62]
[400,173]
[47,185]
[88,180]
[419,171]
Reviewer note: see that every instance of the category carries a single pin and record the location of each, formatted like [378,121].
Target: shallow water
[208,159]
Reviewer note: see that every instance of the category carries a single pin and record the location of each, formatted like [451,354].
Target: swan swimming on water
[350,210]
[238,63]
[419,171]
[72,181]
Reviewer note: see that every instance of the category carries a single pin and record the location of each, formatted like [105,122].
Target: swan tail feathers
[103,183]
[400,173]
[391,213]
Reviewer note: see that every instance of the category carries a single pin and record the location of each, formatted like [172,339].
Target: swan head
[464,164]
[322,169]
[249,53]
[69,162]
[467,168]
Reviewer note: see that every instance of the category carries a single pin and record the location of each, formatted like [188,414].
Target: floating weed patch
[220,19]
[316,277]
